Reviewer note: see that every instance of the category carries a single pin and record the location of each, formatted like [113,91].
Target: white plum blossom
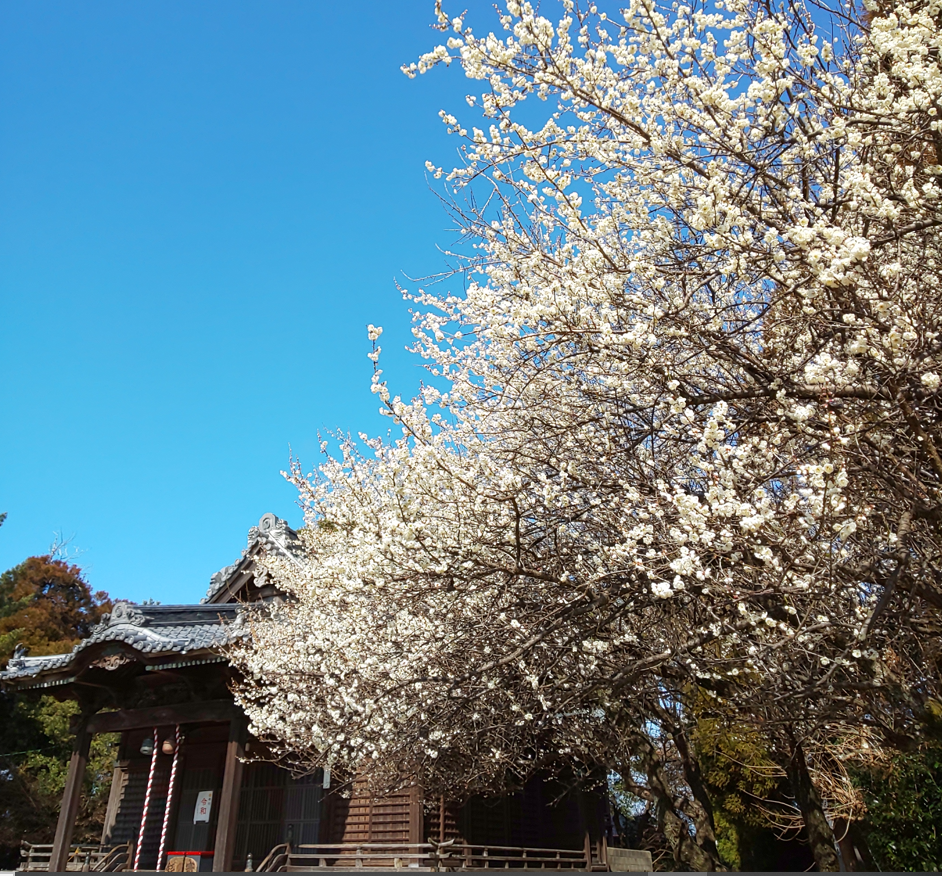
[682,429]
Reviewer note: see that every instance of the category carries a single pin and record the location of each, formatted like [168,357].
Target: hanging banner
[204,805]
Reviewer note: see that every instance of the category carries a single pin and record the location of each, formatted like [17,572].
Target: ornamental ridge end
[122,612]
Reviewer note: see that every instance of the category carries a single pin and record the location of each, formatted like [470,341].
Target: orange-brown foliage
[46,605]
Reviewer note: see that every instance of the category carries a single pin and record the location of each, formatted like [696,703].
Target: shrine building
[191,789]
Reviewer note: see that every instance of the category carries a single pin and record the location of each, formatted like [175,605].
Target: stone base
[629,861]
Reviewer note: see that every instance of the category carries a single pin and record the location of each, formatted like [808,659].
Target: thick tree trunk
[852,844]
[820,835]
[697,852]
[703,803]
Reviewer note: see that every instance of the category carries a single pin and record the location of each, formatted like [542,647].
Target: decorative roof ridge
[125,612]
[271,531]
[122,612]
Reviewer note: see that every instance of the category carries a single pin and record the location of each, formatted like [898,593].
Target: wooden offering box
[189,862]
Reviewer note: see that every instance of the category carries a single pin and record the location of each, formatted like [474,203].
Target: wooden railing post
[71,797]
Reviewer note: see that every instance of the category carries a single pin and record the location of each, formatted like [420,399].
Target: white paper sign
[204,805]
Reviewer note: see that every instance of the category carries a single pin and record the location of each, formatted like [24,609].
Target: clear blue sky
[202,205]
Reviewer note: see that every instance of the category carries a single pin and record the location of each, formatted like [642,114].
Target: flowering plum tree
[690,439]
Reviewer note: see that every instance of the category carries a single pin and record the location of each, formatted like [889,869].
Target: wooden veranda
[313,857]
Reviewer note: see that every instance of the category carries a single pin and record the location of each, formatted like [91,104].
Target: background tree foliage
[904,818]
[46,605]
[742,778]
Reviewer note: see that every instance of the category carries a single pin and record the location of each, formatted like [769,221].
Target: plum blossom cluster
[691,434]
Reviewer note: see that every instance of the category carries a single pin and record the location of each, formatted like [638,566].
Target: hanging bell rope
[178,738]
[147,796]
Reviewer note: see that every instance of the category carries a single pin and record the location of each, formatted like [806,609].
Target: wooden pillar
[584,826]
[416,816]
[118,781]
[229,803]
[328,814]
[70,798]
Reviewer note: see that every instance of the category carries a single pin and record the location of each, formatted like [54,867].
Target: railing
[82,858]
[117,860]
[464,856]
[275,861]
[426,856]
[357,856]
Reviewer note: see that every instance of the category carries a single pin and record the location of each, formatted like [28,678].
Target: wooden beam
[214,711]
[70,799]
[229,803]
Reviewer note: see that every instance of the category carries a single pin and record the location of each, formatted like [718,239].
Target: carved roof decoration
[272,533]
[148,629]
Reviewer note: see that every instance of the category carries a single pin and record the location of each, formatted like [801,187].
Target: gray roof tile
[151,629]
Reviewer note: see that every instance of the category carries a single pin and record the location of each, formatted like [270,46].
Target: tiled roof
[170,629]
[149,629]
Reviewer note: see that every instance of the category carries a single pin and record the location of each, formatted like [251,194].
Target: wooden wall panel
[361,819]
[542,815]
[442,821]
[130,806]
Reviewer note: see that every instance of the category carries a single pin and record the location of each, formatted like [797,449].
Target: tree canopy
[681,439]
[46,605]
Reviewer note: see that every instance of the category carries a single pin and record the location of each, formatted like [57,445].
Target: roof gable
[237,583]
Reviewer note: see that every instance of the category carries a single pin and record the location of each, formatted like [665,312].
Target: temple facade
[192,790]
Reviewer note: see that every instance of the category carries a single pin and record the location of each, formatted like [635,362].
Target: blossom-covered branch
[691,435]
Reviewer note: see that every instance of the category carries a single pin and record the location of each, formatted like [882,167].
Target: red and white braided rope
[150,788]
[169,804]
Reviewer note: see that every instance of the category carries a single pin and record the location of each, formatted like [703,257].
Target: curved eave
[164,636]
[82,672]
